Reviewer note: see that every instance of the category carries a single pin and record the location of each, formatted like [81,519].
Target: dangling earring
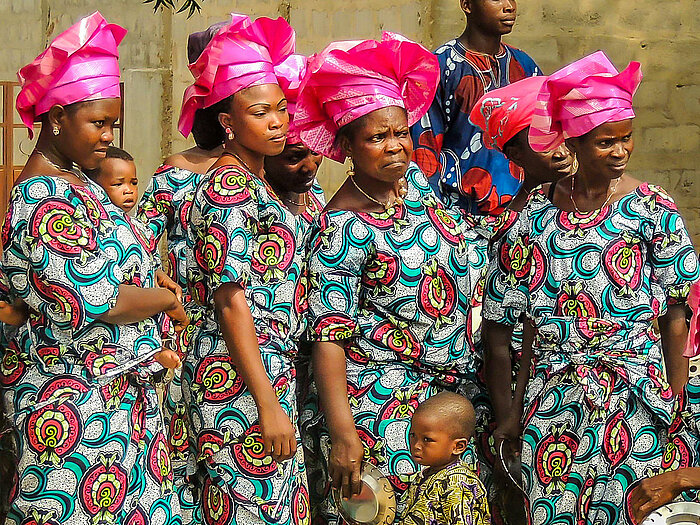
[574,166]
[351,169]
[229,133]
[56,130]
[403,190]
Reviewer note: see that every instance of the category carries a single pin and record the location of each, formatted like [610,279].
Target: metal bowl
[374,505]
[679,513]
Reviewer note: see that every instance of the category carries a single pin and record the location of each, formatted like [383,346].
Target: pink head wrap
[289,74]
[581,97]
[692,347]
[80,64]
[504,112]
[350,79]
[240,55]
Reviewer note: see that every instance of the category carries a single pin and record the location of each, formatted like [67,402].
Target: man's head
[440,429]
[117,176]
[492,17]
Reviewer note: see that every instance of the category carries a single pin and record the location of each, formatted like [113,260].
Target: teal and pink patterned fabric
[89,432]
[598,406]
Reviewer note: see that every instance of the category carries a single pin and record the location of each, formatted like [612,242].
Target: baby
[117,176]
[447,491]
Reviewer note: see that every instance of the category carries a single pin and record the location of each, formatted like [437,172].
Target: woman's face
[258,118]
[380,144]
[86,129]
[294,169]
[605,150]
[541,167]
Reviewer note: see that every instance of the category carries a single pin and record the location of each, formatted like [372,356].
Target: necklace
[304,200]
[614,189]
[76,172]
[386,205]
[238,158]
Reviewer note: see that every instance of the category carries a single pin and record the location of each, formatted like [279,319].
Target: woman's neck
[251,160]
[381,190]
[51,154]
[591,186]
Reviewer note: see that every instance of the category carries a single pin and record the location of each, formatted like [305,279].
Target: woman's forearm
[135,304]
[238,331]
[498,367]
[674,333]
[331,380]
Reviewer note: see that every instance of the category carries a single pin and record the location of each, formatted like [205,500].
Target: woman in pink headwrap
[91,446]
[593,263]
[239,377]
[390,272]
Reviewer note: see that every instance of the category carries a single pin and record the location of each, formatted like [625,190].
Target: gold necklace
[614,189]
[386,205]
[304,201]
[238,158]
[76,172]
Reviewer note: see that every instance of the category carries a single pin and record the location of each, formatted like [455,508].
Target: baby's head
[440,429]
[117,176]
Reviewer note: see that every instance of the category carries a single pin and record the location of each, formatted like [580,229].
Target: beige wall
[662,36]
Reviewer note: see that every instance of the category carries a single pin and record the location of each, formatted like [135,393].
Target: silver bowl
[374,505]
[678,513]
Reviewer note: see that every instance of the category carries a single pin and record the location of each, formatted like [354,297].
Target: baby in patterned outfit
[448,491]
[117,176]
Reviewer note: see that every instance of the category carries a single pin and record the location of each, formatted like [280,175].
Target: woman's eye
[99,123]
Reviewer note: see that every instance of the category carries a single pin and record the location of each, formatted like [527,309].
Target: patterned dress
[452,496]
[394,288]
[89,432]
[598,407]
[242,234]
[448,147]
[165,207]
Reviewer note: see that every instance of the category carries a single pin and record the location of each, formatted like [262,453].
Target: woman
[164,207]
[504,116]
[238,378]
[89,434]
[391,271]
[593,261]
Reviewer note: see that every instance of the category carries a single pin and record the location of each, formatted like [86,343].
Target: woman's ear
[571,144]
[466,6]
[225,120]
[57,116]
[345,145]
[459,445]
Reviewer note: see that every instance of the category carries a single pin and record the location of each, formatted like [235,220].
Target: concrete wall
[662,36]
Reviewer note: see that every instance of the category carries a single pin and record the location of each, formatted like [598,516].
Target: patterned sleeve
[339,252]
[672,256]
[505,290]
[223,223]
[429,131]
[53,255]
[156,207]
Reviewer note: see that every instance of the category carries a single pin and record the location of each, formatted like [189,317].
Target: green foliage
[191,6]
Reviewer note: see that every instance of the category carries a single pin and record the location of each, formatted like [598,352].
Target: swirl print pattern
[242,234]
[394,289]
[598,407]
[87,425]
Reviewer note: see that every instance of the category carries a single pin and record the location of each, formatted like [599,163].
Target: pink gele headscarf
[80,64]
[240,55]
[581,97]
[504,112]
[692,346]
[290,74]
[350,79]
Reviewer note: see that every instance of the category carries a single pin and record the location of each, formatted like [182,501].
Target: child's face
[118,178]
[494,16]
[432,445]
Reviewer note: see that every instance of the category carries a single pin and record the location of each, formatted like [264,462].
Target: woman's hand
[654,492]
[15,314]
[345,464]
[506,441]
[163,280]
[277,431]
[177,315]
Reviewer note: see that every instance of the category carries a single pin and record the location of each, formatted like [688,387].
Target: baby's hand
[168,359]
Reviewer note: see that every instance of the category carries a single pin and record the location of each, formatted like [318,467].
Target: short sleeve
[506,293]
[223,224]
[156,208]
[52,253]
[672,257]
[339,249]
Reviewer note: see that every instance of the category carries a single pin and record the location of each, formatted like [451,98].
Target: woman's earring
[351,169]
[56,130]
[229,133]
[574,165]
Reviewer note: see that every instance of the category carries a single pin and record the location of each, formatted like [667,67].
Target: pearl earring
[56,130]
[229,133]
